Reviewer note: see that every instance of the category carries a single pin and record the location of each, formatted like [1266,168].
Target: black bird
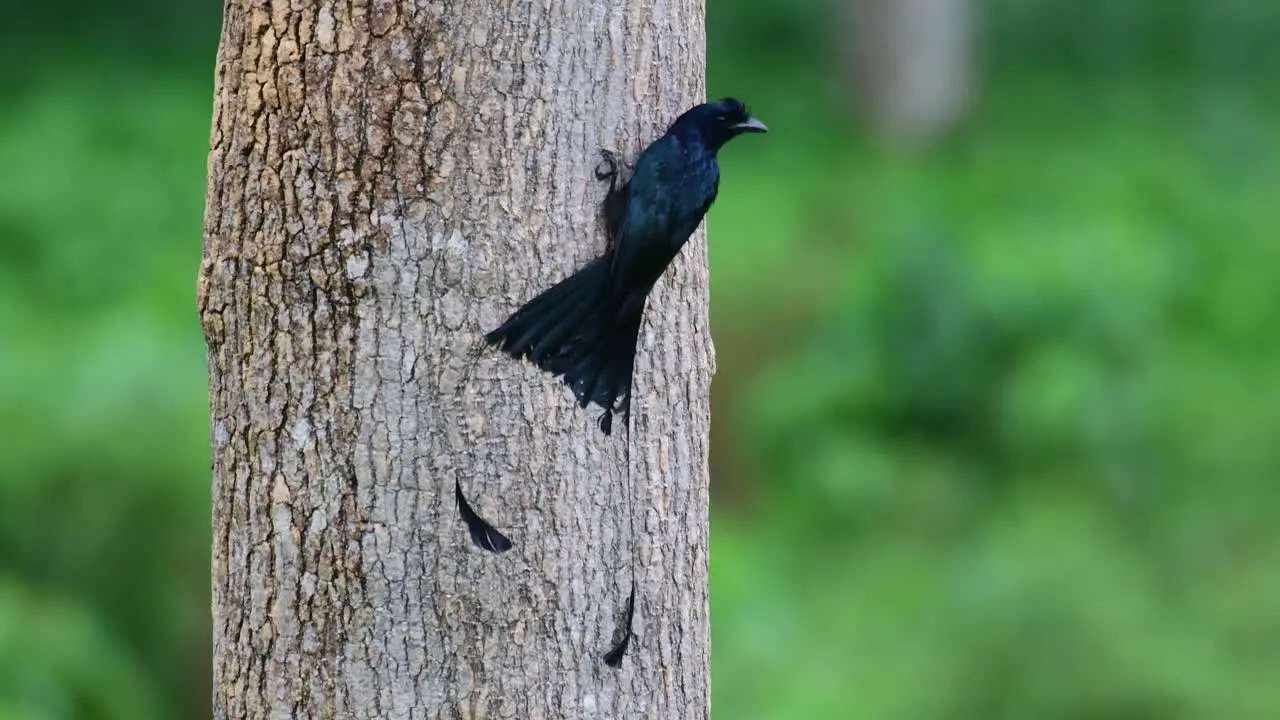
[585,328]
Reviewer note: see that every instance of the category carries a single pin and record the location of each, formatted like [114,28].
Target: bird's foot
[608,167]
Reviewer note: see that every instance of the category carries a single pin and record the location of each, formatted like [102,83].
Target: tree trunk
[913,65]
[386,183]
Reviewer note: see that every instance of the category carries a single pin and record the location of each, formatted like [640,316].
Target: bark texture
[387,181]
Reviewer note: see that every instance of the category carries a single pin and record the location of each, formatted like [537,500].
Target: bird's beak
[751,124]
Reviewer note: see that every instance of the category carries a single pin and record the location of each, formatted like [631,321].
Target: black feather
[613,658]
[482,533]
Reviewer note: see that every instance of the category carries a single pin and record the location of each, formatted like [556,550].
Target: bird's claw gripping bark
[609,167]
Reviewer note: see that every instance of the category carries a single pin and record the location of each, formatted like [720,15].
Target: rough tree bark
[912,64]
[386,182]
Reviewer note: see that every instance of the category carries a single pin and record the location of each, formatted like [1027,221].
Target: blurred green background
[1014,455]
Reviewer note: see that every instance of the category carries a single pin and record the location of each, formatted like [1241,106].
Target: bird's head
[717,122]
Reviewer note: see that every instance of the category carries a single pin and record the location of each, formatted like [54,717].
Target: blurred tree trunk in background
[386,182]
[913,64]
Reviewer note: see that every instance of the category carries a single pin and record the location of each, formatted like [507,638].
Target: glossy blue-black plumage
[585,328]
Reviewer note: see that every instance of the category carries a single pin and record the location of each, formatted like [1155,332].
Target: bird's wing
[647,222]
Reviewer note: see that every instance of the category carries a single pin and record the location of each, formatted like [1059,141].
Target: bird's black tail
[583,331]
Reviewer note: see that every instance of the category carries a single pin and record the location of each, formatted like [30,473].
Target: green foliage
[104,523]
[57,662]
[1023,466]
[1016,459]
